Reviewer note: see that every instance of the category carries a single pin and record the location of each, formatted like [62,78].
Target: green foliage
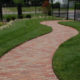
[9,16]
[19,1]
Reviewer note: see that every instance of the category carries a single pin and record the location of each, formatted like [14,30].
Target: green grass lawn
[21,31]
[24,9]
[67,57]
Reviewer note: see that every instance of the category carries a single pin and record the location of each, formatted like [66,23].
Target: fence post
[74,10]
[52,7]
[59,9]
[35,7]
[68,10]
[1,15]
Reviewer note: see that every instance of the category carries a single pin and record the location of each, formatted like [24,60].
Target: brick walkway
[33,59]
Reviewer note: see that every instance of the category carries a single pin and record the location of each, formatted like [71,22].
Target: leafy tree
[19,1]
[37,2]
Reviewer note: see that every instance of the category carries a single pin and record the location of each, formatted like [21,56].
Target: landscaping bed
[67,58]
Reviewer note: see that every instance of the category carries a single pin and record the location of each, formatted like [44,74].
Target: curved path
[33,59]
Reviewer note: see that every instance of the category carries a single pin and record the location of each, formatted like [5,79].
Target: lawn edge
[60,22]
[26,40]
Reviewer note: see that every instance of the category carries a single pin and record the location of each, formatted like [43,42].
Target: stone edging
[6,25]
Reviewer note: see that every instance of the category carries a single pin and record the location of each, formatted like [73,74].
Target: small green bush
[9,16]
[28,16]
[8,19]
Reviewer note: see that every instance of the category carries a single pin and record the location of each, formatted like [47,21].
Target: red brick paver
[33,59]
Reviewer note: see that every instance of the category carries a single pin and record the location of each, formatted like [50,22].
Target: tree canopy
[18,1]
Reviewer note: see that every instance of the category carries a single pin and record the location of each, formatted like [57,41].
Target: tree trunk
[19,8]
[1,16]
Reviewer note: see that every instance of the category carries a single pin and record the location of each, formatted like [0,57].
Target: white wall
[64,2]
[61,1]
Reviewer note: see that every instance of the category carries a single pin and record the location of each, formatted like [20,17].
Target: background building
[64,3]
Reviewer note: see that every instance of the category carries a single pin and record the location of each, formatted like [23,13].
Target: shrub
[13,18]
[9,16]
[28,16]
[8,19]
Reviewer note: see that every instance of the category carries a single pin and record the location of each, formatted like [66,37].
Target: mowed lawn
[24,9]
[66,62]
[21,31]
